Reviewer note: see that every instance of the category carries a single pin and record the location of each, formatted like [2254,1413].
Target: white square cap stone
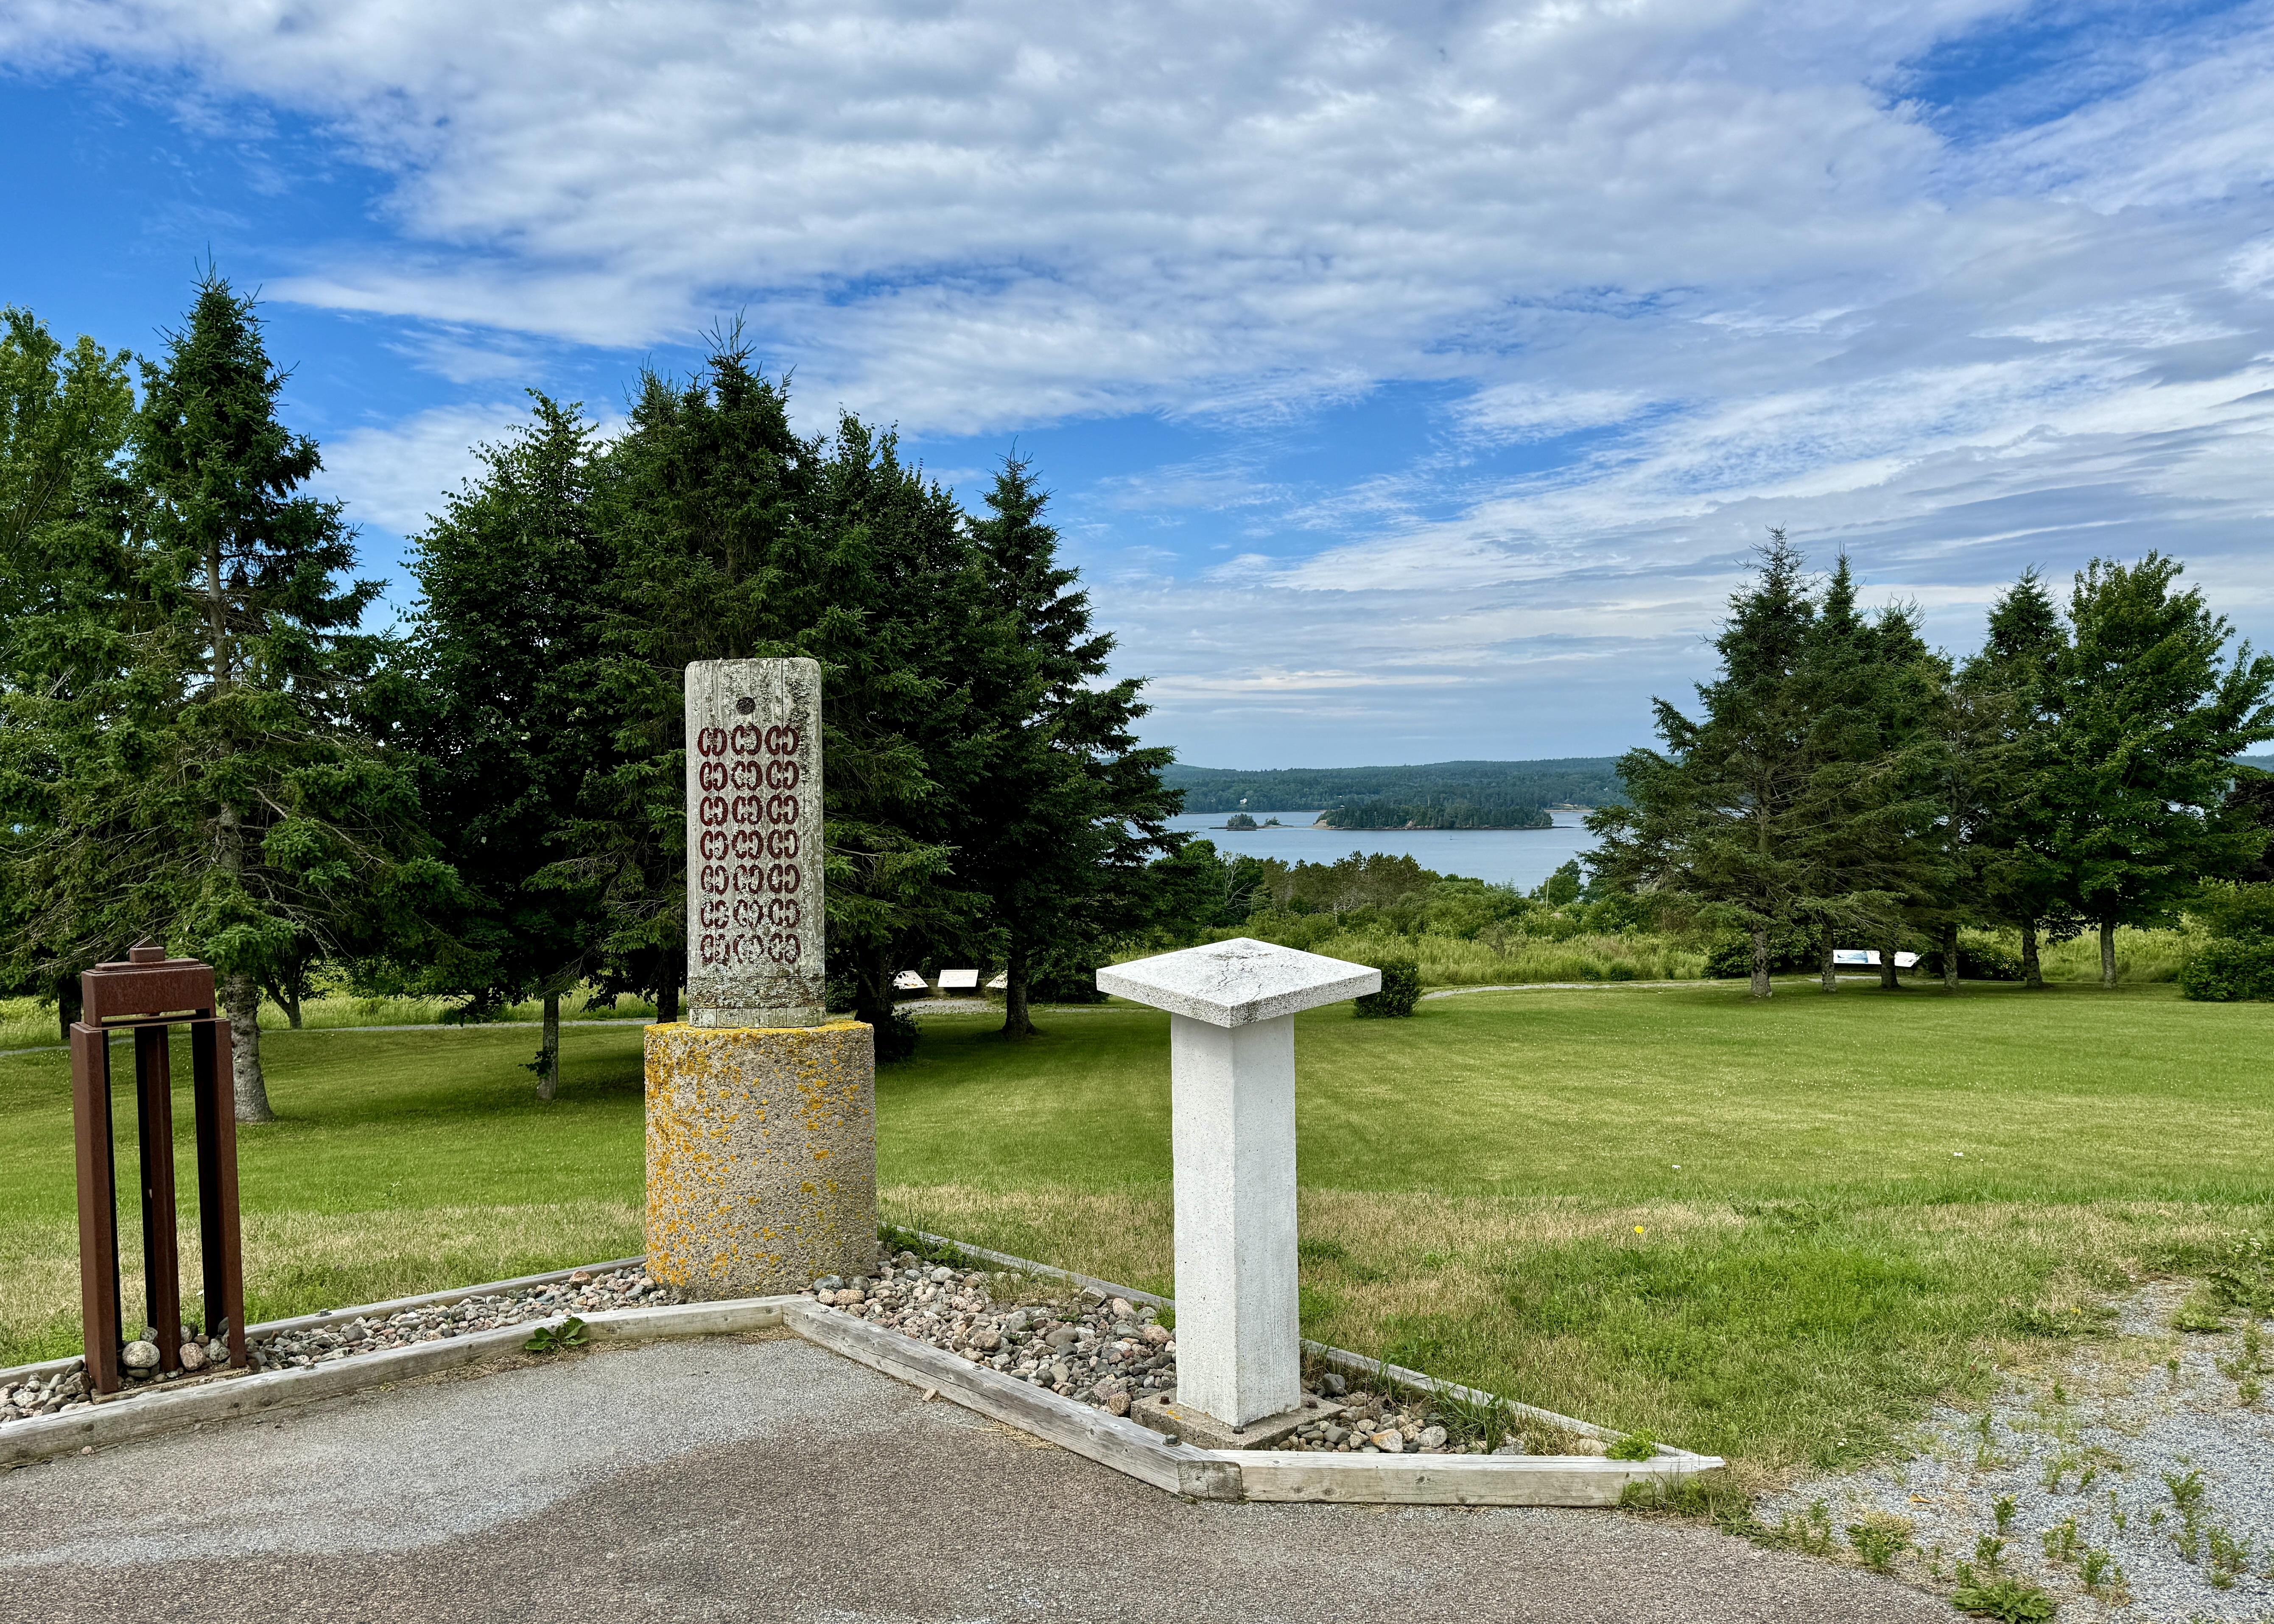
[1238,983]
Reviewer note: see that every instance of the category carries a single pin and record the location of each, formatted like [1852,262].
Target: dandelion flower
[1638,1228]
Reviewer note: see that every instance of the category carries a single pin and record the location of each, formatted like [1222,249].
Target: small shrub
[1401,991]
[1980,959]
[2225,971]
[896,1038]
[2007,1600]
[1731,958]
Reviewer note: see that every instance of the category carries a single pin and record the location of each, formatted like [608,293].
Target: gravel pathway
[2135,1482]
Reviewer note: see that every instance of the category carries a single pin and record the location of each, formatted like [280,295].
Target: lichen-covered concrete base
[760,1156]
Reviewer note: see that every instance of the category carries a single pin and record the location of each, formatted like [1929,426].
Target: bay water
[1518,857]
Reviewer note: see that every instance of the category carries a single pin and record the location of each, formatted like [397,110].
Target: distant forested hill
[1578,781]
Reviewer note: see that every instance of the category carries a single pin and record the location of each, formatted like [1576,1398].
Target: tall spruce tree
[1072,805]
[218,790]
[1718,826]
[2010,687]
[2151,718]
[501,705]
[1866,690]
[733,537]
[67,579]
[1919,844]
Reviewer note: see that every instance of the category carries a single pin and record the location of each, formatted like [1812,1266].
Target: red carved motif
[747,908]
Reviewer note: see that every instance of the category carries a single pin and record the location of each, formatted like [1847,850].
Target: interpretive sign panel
[754,944]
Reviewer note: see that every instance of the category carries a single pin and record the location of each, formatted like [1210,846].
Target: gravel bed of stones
[347,1338]
[2136,1479]
[1109,1352]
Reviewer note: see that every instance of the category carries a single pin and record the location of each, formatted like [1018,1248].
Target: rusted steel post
[161,1247]
[98,1204]
[217,1227]
[148,995]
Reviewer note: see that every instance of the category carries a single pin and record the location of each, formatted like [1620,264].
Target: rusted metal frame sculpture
[148,995]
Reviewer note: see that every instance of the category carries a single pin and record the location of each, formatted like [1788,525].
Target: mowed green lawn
[1776,1232]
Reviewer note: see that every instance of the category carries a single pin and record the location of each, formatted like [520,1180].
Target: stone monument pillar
[1231,1080]
[761,1109]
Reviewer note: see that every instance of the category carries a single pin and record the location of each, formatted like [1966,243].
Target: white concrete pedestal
[1231,1068]
[1232,1129]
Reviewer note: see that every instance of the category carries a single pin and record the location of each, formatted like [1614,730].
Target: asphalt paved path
[764,1477]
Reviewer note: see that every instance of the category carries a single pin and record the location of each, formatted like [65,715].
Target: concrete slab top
[685,1482]
[1237,982]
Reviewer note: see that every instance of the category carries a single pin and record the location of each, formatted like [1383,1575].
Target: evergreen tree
[215,789]
[1072,804]
[1867,690]
[731,537]
[66,578]
[1718,827]
[500,706]
[2010,688]
[2149,723]
[1916,806]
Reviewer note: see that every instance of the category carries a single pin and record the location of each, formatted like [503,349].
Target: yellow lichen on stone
[730,1111]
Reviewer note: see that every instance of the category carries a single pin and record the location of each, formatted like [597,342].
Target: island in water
[1387,814]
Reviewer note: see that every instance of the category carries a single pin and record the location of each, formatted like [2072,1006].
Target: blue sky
[1414,379]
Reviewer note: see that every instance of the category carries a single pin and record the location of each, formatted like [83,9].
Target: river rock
[142,1355]
[193,1358]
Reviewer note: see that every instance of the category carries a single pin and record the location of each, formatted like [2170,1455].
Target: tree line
[1844,783]
[201,743]
[1586,780]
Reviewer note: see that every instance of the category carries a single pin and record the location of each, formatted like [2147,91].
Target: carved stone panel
[755,942]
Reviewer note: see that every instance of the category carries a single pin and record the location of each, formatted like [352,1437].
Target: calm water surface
[1521,857]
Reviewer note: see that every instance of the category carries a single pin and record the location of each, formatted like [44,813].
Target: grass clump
[2004,1598]
[1711,1497]
[2201,1312]
[1879,1539]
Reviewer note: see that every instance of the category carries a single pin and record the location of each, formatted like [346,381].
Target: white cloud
[1702,233]
[395,475]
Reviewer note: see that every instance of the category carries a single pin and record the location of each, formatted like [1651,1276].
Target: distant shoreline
[1398,829]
